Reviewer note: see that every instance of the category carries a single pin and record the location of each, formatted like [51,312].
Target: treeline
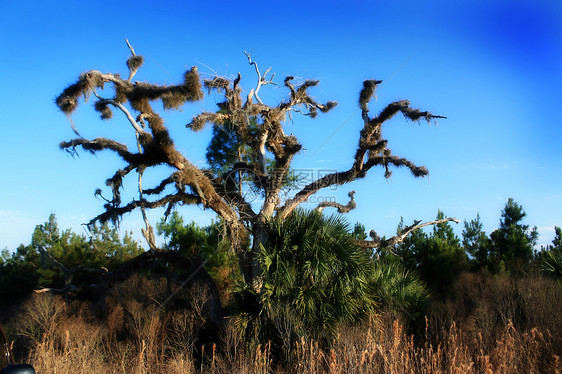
[439,256]
[56,257]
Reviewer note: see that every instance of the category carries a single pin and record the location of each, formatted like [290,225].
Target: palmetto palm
[399,289]
[552,263]
[313,277]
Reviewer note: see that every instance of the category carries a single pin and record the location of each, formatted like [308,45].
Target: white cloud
[546,235]
[546,229]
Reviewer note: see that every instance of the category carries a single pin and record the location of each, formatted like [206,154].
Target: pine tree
[476,243]
[437,257]
[513,242]
[58,259]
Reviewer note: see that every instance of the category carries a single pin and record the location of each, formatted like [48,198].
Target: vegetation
[57,259]
[314,277]
[552,256]
[437,257]
[513,242]
[134,340]
[372,311]
[249,150]
[269,287]
[476,244]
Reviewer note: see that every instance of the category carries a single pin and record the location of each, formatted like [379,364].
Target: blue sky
[494,68]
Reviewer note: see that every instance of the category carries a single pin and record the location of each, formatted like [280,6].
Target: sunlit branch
[390,242]
[340,207]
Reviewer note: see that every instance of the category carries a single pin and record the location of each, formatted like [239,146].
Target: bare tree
[259,126]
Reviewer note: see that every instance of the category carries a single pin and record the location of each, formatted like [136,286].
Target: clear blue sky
[494,68]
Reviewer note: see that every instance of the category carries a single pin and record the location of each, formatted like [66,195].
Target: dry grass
[377,348]
[134,337]
[372,349]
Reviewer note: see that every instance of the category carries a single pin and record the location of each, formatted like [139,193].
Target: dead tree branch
[372,149]
[101,106]
[157,146]
[391,242]
[341,208]
[261,78]
[134,62]
[67,273]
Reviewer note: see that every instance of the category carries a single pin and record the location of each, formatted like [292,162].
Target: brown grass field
[487,325]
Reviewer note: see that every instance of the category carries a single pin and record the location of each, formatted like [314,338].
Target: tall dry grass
[378,347]
[135,336]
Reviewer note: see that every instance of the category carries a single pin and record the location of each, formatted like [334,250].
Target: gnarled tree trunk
[245,225]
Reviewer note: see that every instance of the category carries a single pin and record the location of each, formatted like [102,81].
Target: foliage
[19,273]
[110,250]
[399,289]
[313,278]
[226,148]
[484,323]
[189,239]
[552,263]
[476,244]
[28,268]
[512,242]
[359,231]
[551,258]
[207,243]
[103,247]
[437,257]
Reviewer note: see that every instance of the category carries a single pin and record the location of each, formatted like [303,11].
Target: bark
[340,207]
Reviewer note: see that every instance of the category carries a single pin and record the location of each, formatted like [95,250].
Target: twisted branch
[261,78]
[372,148]
[341,208]
[390,242]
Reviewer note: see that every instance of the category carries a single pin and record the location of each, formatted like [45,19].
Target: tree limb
[390,242]
[100,144]
[134,62]
[372,148]
[118,105]
[148,231]
[66,289]
[113,213]
[341,208]
[66,272]
[261,78]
